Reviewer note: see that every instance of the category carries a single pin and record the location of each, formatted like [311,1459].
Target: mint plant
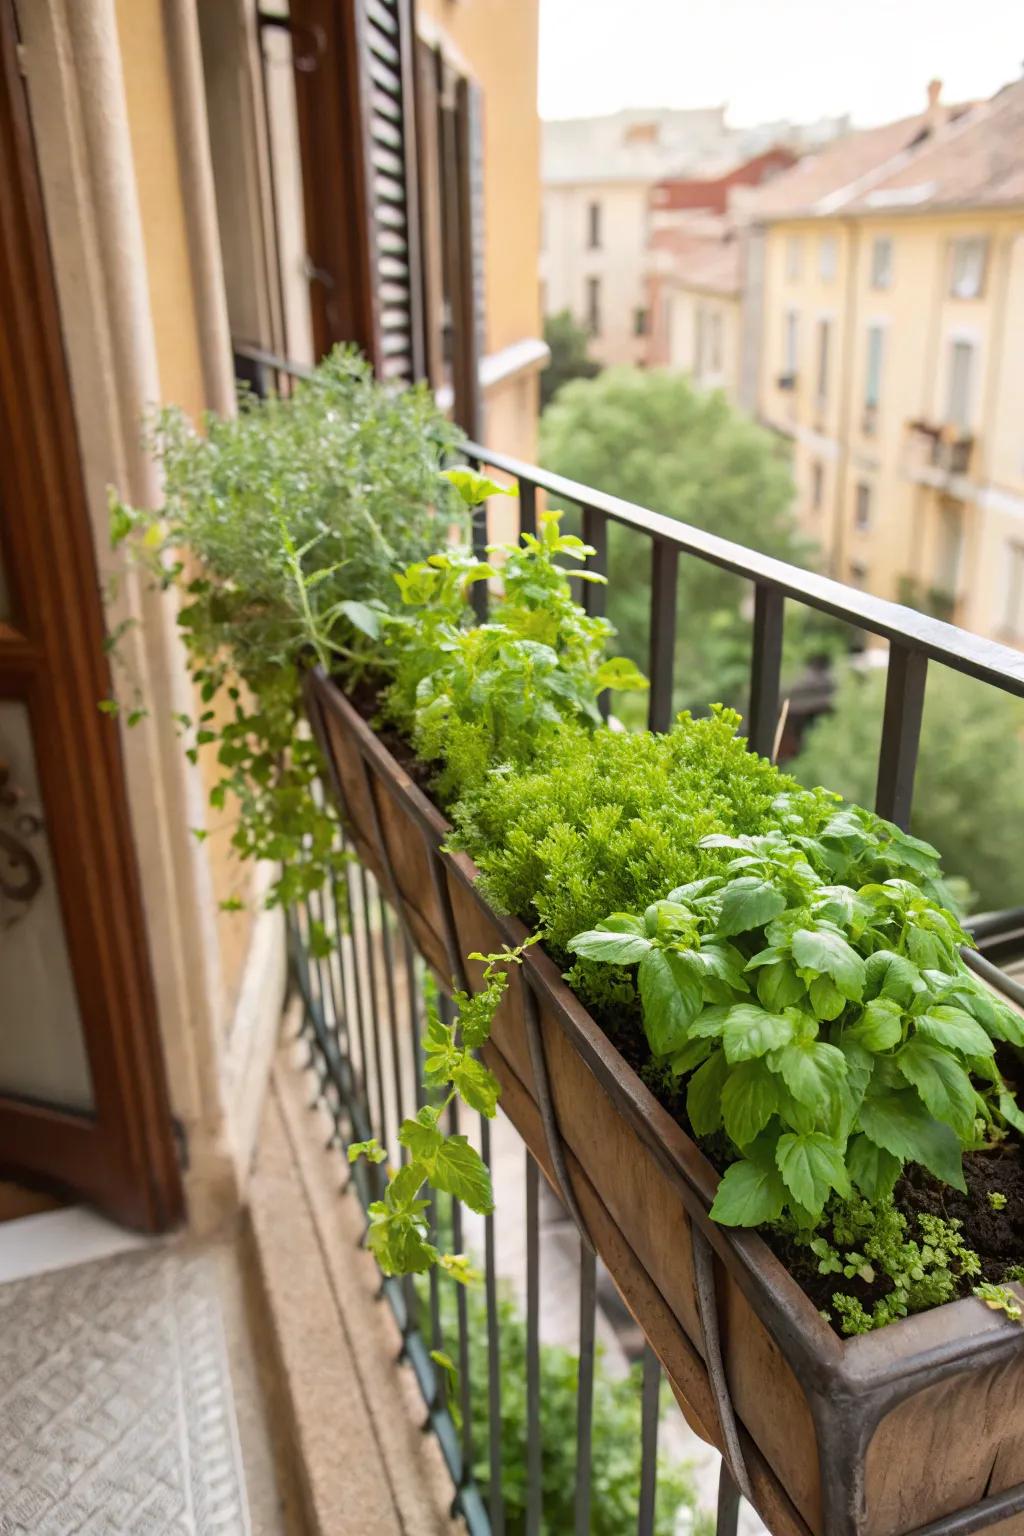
[832,1033]
[399,1231]
[473,695]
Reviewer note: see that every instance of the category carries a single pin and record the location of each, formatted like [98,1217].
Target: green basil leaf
[750,1032]
[811,1166]
[613,948]
[815,1074]
[748,903]
[1010,1110]
[955,1030]
[779,986]
[749,1099]
[622,922]
[704,1095]
[710,1022]
[670,991]
[889,974]
[897,1121]
[879,1027]
[749,1195]
[827,1002]
[872,1169]
[459,1170]
[828,953]
[941,1081]
[693,1054]
[724,962]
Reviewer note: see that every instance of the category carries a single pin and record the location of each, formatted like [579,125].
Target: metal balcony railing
[364,1001]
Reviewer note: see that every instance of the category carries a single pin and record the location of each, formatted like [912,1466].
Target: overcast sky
[798,59]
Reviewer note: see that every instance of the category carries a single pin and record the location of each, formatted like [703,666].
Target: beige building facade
[892,312]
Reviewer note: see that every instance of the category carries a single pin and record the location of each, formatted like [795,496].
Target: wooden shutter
[355,101]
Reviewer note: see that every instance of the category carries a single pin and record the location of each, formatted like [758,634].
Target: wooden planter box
[878,1435]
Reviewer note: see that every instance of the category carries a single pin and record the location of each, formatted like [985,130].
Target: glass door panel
[42,1048]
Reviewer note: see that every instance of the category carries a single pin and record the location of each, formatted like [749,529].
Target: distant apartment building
[609,183]
[693,270]
[597,174]
[887,279]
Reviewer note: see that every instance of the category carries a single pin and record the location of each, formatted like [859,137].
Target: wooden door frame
[123,1156]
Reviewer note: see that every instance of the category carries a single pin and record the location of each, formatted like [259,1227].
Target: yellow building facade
[890,357]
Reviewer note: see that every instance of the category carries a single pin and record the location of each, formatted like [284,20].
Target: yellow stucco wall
[912,517]
[178,343]
[495,43]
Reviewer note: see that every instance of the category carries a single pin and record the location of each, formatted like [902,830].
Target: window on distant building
[967,268]
[1013,618]
[793,258]
[594,305]
[824,341]
[715,341]
[827,258]
[881,263]
[640,322]
[961,368]
[949,550]
[873,376]
[699,340]
[593,226]
[862,509]
[858,573]
[791,343]
[817,485]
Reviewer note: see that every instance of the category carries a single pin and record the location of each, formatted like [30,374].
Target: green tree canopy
[569,342]
[969,791]
[656,440]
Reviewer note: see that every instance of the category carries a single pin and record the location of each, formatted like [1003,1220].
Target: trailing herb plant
[283,529]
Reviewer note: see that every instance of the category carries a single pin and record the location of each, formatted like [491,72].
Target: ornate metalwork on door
[21,876]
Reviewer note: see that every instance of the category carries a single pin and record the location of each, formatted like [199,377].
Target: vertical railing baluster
[388,1124]
[728,1504]
[496,1497]
[585,1387]
[595,532]
[479,595]
[462,1316]
[595,593]
[534,1484]
[664,586]
[901,732]
[527,506]
[651,1392]
[765,669]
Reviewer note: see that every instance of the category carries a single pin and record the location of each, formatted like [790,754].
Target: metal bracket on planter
[707,1307]
[552,1135]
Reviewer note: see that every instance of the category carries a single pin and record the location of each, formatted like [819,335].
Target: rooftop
[966,155]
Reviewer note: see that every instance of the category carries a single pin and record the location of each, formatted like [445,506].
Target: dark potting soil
[997,1236]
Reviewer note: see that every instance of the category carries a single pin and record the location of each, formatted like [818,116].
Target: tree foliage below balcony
[570,355]
[969,793]
[654,439]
